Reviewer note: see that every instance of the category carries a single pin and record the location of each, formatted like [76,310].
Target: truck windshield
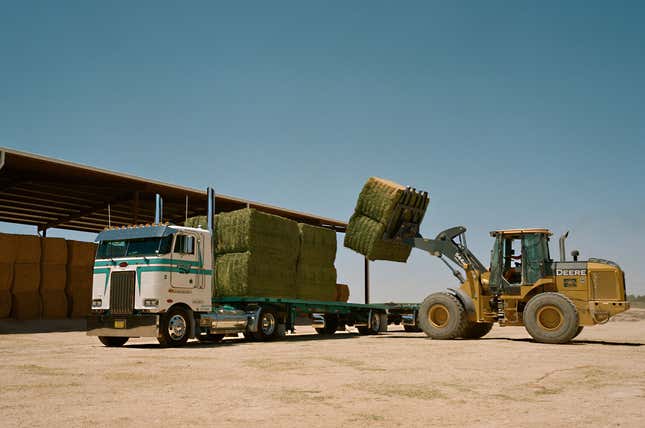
[134,247]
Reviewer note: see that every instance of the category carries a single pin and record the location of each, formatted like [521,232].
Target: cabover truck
[157,280]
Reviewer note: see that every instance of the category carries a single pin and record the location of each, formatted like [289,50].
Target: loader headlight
[150,302]
[97,303]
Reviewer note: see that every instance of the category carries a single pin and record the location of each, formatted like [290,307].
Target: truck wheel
[331,326]
[210,337]
[442,316]
[476,330]
[269,327]
[174,327]
[411,328]
[551,318]
[112,341]
[580,328]
[378,324]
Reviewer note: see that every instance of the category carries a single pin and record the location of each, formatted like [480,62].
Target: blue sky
[509,113]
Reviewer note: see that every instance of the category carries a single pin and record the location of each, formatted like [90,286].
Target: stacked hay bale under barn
[53,278]
[375,210]
[80,265]
[26,303]
[342,292]
[315,271]
[7,259]
[256,254]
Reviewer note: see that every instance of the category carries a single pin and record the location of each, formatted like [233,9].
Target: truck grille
[122,293]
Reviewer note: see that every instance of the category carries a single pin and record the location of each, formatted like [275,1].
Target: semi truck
[157,280]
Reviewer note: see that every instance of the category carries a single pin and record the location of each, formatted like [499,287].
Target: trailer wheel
[551,318]
[174,327]
[442,316]
[112,341]
[269,326]
[412,328]
[476,330]
[331,326]
[210,337]
[378,323]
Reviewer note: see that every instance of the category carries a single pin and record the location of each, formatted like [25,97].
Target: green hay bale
[314,282]
[375,211]
[199,221]
[249,274]
[317,245]
[258,232]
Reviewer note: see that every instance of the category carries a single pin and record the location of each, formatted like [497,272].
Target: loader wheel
[269,327]
[112,341]
[580,328]
[551,318]
[476,330]
[331,326]
[442,316]
[412,329]
[174,327]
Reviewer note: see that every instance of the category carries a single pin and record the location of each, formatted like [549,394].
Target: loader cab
[519,257]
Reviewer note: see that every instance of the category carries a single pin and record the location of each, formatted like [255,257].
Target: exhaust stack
[564,236]
[158,209]
[210,194]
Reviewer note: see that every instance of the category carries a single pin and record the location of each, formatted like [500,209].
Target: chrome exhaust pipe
[158,208]
[562,251]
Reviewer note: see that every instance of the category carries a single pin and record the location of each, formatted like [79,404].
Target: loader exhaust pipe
[564,236]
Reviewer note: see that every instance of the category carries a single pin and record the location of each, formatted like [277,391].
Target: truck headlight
[150,302]
[97,303]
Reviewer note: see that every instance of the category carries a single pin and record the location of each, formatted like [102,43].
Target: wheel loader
[523,286]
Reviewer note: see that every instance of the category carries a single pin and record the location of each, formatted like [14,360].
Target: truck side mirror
[575,254]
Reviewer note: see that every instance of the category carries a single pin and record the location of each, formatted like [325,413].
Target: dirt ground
[398,378]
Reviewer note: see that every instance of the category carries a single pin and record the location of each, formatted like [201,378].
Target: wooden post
[367,280]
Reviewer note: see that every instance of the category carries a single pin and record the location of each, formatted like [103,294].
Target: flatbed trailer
[269,318]
[403,313]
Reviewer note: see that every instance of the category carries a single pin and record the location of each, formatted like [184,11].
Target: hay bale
[80,303]
[26,278]
[5,303]
[7,248]
[316,283]
[53,277]
[317,245]
[199,221]
[342,292]
[27,249]
[26,306]
[6,276]
[53,251]
[374,212]
[80,254]
[315,271]
[253,274]
[54,304]
[258,232]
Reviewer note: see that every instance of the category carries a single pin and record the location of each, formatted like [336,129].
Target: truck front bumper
[145,325]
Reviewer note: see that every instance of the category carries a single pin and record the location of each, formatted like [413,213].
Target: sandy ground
[398,378]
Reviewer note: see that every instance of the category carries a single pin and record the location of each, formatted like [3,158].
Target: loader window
[536,255]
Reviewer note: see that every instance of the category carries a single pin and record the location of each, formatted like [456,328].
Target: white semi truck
[158,280]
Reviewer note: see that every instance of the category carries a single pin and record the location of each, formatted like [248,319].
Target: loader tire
[412,329]
[442,316]
[551,318]
[476,330]
[580,328]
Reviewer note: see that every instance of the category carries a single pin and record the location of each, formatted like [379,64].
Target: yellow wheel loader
[553,300]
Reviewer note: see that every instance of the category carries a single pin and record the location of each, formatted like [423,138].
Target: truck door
[185,261]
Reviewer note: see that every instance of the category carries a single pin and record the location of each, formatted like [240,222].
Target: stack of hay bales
[200,221]
[256,254]
[7,259]
[374,211]
[26,303]
[80,265]
[315,272]
[342,292]
[53,277]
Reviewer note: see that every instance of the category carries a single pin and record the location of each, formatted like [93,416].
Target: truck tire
[442,316]
[378,324]
[476,330]
[112,341]
[174,327]
[210,337]
[269,326]
[412,328]
[580,328]
[551,318]
[331,326]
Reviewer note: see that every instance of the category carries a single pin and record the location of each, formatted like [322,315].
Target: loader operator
[513,274]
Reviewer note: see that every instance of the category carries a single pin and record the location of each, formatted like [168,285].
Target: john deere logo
[571,272]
